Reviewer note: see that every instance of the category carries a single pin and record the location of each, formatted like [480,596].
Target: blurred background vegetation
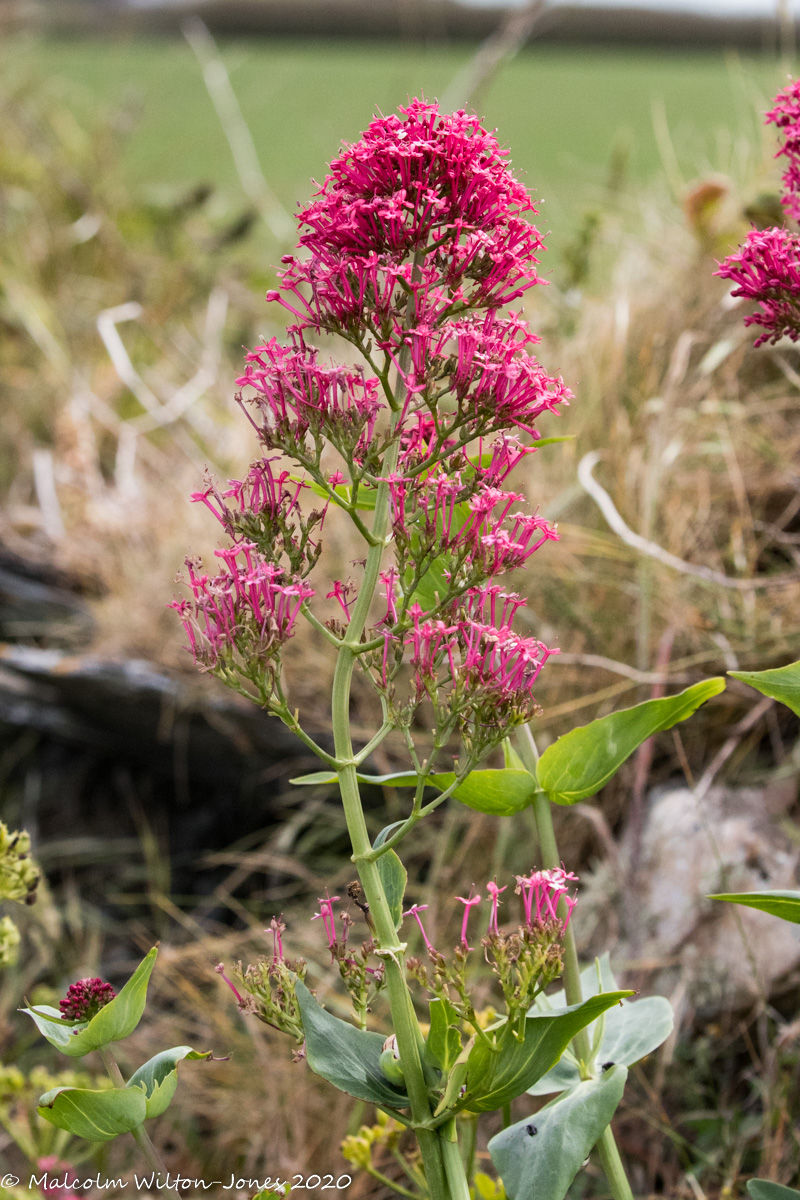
[146,190]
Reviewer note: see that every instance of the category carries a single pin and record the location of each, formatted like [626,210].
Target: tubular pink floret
[495,893]
[220,970]
[276,928]
[766,269]
[327,917]
[468,904]
[541,892]
[414,912]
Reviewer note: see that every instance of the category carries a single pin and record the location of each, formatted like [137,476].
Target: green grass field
[566,113]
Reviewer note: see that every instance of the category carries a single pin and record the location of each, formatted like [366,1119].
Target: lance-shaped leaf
[495,1077]
[98,1116]
[581,762]
[764,1189]
[112,1023]
[538,1158]
[347,1057]
[782,684]
[631,1030]
[394,876]
[443,1044]
[785,905]
[158,1077]
[500,793]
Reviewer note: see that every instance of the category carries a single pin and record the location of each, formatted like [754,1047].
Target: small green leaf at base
[581,762]
[114,1022]
[785,905]
[538,1158]
[158,1077]
[782,684]
[96,1116]
[764,1189]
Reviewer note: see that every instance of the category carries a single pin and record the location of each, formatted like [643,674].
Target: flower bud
[390,1061]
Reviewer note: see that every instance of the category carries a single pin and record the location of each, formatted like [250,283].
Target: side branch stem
[606,1147]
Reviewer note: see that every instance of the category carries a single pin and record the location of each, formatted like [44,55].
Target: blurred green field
[568,114]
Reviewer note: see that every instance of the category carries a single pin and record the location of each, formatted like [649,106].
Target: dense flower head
[786,116]
[85,998]
[423,205]
[766,269]
[250,606]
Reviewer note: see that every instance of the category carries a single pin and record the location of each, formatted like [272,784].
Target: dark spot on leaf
[606,1066]
[531,1130]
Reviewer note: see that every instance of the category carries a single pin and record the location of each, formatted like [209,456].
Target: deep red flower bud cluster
[85,998]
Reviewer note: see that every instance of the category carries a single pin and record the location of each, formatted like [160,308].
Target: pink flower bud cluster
[295,396]
[85,998]
[786,116]
[250,607]
[766,269]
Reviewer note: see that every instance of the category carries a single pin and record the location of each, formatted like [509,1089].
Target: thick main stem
[406,1026]
[606,1147]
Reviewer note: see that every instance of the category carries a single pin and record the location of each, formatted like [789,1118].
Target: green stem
[140,1134]
[469,1141]
[453,1163]
[606,1147]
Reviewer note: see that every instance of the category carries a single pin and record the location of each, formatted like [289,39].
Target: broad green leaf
[113,1023]
[158,1077]
[781,684]
[763,1189]
[501,793]
[581,762]
[443,1044]
[632,1031]
[511,759]
[97,1116]
[496,1077]
[785,905]
[393,878]
[538,1158]
[591,985]
[347,1057]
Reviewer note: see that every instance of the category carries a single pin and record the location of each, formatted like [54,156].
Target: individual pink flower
[495,893]
[220,970]
[541,892]
[328,919]
[85,998]
[469,902]
[414,912]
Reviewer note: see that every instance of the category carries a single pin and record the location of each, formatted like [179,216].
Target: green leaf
[347,1057]
[538,1158]
[158,1077]
[785,905]
[113,1022]
[443,1044]
[344,491]
[502,793]
[393,879]
[495,1077]
[632,1031]
[98,1116]
[781,684]
[511,759]
[763,1189]
[581,762]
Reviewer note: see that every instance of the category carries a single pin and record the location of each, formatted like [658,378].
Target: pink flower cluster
[423,206]
[786,116]
[250,607]
[541,892]
[766,269]
[55,1188]
[85,998]
[295,395]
